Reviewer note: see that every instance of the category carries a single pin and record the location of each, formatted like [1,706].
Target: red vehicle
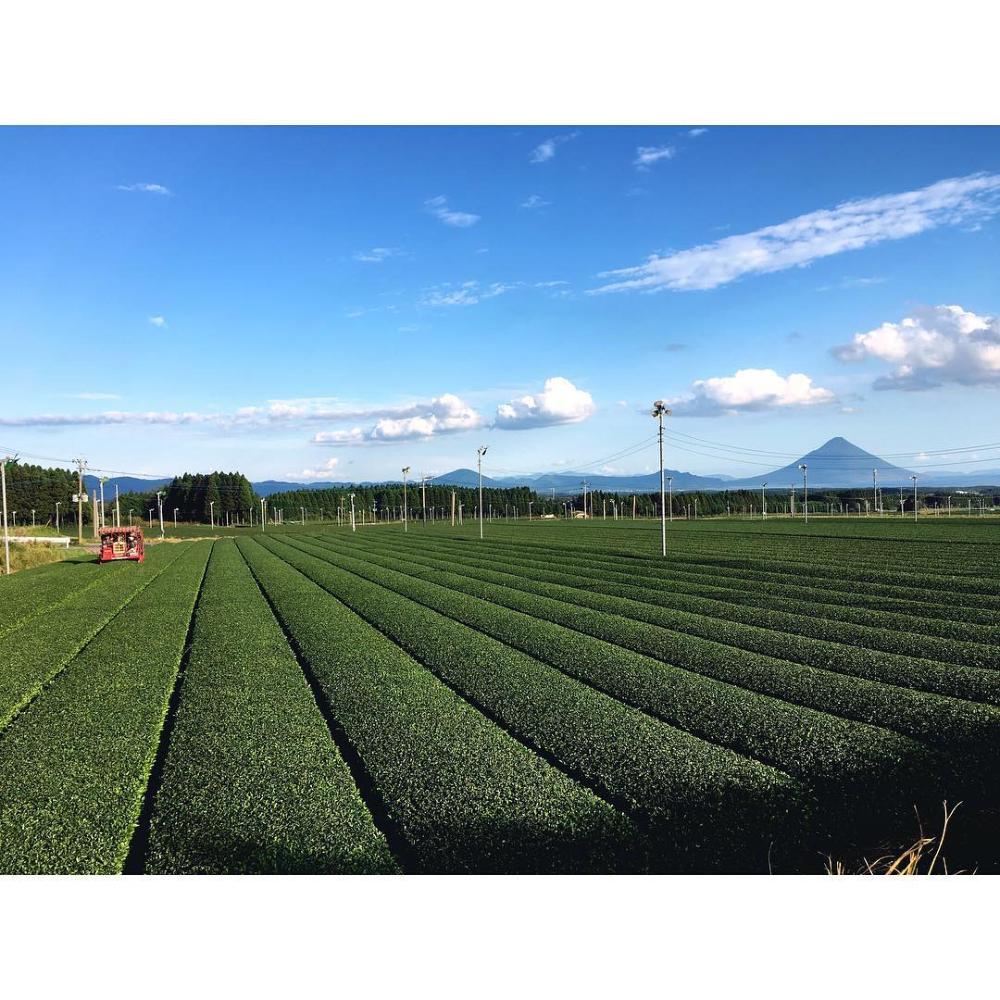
[122,543]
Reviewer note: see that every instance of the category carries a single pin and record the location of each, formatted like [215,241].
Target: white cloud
[935,346]
[438,207]
[851,225]
[446,414]
[147,188]
[560,402]
[377,254]
[853,283]
[544,151]
[354,436]
[470,293]
[535,201]
[94,395]
[646,156]
[748,390]
[449,412]
[159,321]
[323,472]
[695,132]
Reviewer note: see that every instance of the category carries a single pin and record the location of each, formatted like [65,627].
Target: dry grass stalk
[912,861]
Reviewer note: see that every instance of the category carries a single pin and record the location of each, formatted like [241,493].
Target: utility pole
[406,472]
[584,485]
[118,509]
[104,479]
[263,514]
[32,516]
[6,536]
[211,513]
[453,508]
[159,503]
[763,502]
[81,464]
[875,486]
[480,451]
[175,519]
[805,489]
[58,504]
[914,478]
[659,411]
[423,497]
[354,526]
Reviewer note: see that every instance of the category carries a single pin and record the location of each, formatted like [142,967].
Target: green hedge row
[769,590]
[890,578]
[253,782]
[948,722]
[866,577]
[28,594]
[464,795]
[857,773]
[40,648]
[75,764]
[733,626]
[684,787]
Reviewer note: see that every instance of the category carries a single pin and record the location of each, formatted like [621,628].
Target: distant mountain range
[836,464]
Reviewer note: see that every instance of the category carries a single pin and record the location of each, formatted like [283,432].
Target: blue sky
[336,303]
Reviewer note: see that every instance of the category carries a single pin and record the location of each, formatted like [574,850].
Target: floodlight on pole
[263,514]
[354,526]
[914,478]
[211,513]
[159,502]
[406,472]
[480,452]
[763,502]
[58,504]
[805,489]
[659,411]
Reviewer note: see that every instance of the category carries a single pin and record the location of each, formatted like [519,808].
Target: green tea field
[553,698]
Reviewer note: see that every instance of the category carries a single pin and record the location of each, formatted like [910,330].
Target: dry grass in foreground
[920,858]
[29,556]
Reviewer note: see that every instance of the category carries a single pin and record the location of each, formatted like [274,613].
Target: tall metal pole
[58,504]
[480,451]
[763,502]
[805,490]
[81,464]
[670,498]
[914,478]
[354,526]
[159,503]
[875,487]
[263,514]
[406,472]
[104,522]
[659,411]
[6,537]
[118,509]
